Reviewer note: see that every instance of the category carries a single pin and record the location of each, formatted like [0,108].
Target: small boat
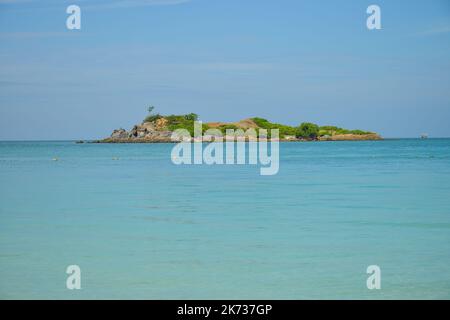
[424,136]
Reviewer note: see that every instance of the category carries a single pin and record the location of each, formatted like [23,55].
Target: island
[159,128]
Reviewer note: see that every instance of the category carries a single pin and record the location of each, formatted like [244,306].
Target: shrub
[183,122]
[332,130]
[191,116]
[224,127]
[152,117]
[307,130]
[262,123]
[266,124]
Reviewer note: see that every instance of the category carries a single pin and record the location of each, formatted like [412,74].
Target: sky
[289,61]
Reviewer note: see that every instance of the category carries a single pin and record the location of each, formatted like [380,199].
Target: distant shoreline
[96,141]
[157,128]
[137,140]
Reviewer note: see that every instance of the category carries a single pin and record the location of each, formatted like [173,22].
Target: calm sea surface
[142,227]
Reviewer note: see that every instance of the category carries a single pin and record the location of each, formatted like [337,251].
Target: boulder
[119,134]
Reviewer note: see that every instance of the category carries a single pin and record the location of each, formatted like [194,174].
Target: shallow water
[141,227]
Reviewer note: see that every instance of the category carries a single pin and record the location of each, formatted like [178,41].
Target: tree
[191,116]
[307,130]
[152,117]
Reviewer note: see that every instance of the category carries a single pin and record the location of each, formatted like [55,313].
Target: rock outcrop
[145,132]
[119,134]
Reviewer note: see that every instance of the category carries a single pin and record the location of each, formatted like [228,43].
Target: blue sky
[288,61]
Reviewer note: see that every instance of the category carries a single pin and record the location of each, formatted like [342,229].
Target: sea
[137,226]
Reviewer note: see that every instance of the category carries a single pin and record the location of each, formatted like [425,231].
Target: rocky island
[158,128]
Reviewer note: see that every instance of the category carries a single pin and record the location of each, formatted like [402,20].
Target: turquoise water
[141,227]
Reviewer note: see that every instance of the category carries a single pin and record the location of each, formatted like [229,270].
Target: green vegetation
[223,128]
[191,117]
[284,129]
[305,130]
[185,121]
[332,130]
[152,117]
